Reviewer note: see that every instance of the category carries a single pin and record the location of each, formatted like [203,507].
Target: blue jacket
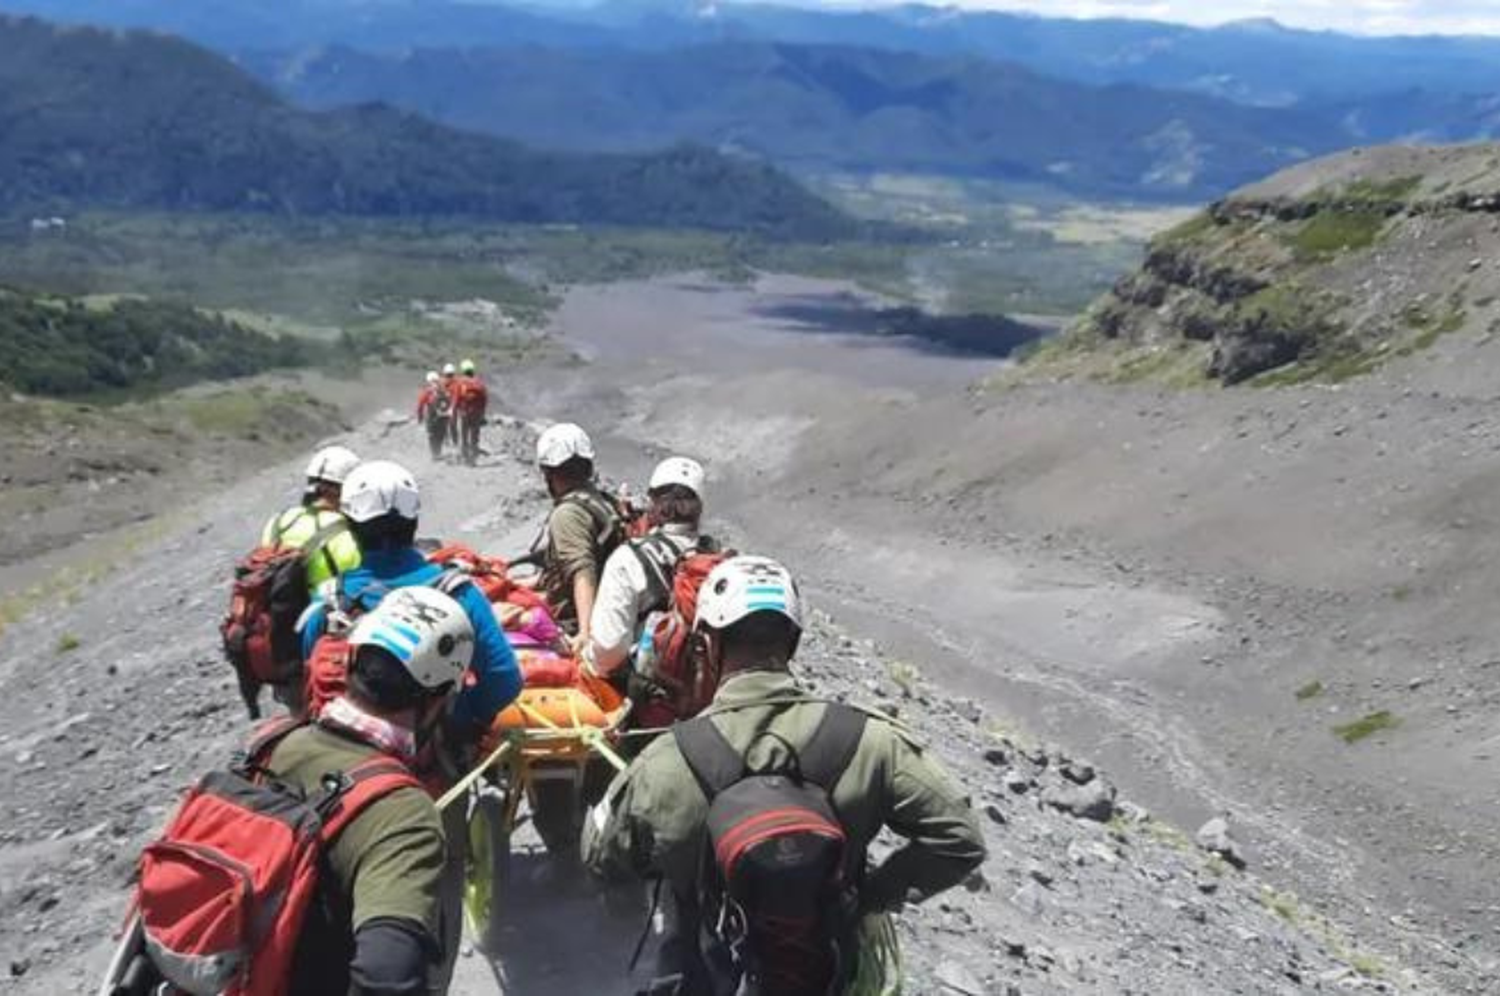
[496,673]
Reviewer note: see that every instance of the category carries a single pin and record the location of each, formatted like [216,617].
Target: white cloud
[1360,16]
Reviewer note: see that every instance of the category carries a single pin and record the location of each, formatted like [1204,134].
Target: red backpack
[225,891]
[260,629]
[664,655]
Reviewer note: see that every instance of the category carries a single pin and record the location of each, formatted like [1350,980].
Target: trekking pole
[448,797]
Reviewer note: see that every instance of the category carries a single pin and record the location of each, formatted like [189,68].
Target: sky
[1383,17]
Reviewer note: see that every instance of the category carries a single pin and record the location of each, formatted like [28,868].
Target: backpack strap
[280,524]
[451,580]
[713,760]
[833,745]
[264,740]
[606,517]
[358,788]
[318,544]
[658,557]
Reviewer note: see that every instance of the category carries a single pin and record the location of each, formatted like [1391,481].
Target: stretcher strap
[447,799]
[538,717]
[597,741]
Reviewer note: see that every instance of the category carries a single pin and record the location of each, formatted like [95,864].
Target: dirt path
[1140,576]
[858,462]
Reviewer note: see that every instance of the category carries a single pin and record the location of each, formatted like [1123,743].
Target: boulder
[1094,801]
[1216,838]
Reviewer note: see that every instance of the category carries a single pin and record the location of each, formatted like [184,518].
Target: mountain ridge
[1250,65]
[827,107]
[87,127]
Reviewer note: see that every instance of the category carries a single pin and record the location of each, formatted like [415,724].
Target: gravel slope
[98,738]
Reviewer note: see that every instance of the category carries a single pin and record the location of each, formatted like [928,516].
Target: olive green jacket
[651,821]
[387,863]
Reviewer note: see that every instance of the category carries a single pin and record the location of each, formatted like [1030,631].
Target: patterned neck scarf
[343,715]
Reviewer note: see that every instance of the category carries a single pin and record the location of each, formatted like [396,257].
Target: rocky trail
[113,697]
[992,640]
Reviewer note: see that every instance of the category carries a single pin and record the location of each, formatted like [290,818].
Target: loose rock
[1216,838]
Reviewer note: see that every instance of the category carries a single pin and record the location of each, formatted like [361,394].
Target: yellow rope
[449,797]
[541,719]
[596,740]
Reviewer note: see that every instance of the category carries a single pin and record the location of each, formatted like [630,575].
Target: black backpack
[777,901]
[609,525]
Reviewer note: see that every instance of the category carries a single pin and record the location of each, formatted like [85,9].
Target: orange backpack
[664,656]
[259,631]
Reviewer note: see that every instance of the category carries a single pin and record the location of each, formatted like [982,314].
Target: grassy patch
[1394,191]
[1366,726]
[1083,354]
[1332,233]
[65,584]
[67,643]
[1283,904]
[1287,907]
[1195,227]
[1311,690]
[1156,364]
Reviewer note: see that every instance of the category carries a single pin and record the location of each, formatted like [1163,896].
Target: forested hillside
[67,346]
[827,107]
[94,118]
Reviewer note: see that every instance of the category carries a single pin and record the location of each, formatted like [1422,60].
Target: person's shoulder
[623,560]
[883,726]
[662,758]
[572,510]
[407,807]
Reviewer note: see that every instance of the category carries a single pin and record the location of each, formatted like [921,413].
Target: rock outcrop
[1321,272]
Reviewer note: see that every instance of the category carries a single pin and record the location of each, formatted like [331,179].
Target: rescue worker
[651,823]
[427,394]
[637,578]
[470,408]
[382,502]
[379,931]
[583,529]
[435,412]
[450,387]
[316,525]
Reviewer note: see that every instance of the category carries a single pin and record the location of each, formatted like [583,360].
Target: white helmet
[681,471]
[424,629]
[561,443]
[742,586]
[449,370]
[332,464]
[432,377]
[378,488]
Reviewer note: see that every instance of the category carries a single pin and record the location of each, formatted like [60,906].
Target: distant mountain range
[824,107]
[1256,62]
[95,118]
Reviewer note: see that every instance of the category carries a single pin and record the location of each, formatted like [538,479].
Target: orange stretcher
[553,750]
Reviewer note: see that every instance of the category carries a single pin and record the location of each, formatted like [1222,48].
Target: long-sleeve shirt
[471,397]
[494,678]
[627,593]
[652,820]
[298,526]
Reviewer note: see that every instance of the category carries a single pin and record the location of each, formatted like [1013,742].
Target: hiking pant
[437,434]
[468,437]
